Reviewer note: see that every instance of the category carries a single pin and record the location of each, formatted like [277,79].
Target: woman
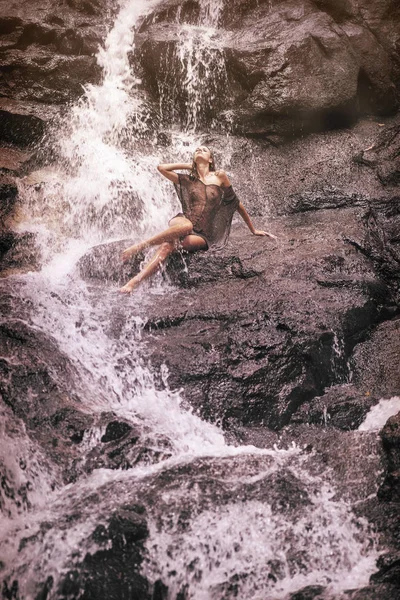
[208,204]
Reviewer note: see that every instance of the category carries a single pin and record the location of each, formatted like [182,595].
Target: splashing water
[246,550]
[379,414]
[105,185]
[233,545]
[197,67]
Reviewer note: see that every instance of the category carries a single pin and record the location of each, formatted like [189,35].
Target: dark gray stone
[291,67]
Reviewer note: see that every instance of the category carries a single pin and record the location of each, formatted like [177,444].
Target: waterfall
[197,68]
[217,526]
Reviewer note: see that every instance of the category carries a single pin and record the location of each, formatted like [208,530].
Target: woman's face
[203,153]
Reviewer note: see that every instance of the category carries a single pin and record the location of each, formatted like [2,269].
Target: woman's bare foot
[128,287]
[131,251]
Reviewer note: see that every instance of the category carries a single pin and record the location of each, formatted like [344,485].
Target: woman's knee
[166,248]
[183,224]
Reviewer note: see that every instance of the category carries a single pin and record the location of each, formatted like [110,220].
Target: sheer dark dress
[209,207]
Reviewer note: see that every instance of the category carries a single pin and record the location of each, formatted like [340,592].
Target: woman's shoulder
[223,177]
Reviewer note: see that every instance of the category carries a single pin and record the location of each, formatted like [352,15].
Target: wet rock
[381,156]
[323,198]
[115,430]
[342,406]
[47,55]
[12,160]
[104,263]
[376,361]
[36,382]
[24,124]
[126,451]
[290,67]
[42,76]
[390,434]
[317,171]
[382,591]
[22,254]
[356,461]
[257,353]
[389,570]
[8,199]
[381,240]
[311,592]
[282,333]
[113,571]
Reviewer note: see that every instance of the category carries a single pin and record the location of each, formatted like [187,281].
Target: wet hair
[194,173]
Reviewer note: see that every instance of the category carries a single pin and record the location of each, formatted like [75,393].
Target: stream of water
[238,539]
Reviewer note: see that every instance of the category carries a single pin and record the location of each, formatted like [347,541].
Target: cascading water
[218,527]
[196,66]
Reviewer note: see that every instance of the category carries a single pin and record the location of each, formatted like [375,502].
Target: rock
[47,55]
[380,243]
[24,124]
[113,571]
[389,570]
[42,76]
[381,156]
[36,382]
[8,198]
[290,68]
[8,202]
[311,592]
[104,263]
[342,406]
[21,255]
[12,160]
[127,452]
[108,553]
[115,430]
[283,333]
[390,434]
[355,460]
[323,198]
[376,361]
[372,592]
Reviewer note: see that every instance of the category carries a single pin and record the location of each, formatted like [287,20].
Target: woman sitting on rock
[208,205]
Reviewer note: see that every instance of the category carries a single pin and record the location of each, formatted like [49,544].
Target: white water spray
[197,68]
[107,187]
[379,414]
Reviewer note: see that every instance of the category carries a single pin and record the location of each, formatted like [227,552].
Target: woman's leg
[190,243]
[179,228]
[158,259]
[193,243]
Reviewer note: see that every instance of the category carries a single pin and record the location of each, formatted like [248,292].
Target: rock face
[46,54]
[290,67]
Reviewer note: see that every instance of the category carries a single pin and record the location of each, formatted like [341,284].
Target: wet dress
[209,207]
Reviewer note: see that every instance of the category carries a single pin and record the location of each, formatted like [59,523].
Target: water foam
[380,413]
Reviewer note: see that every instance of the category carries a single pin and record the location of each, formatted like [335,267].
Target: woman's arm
[246,218]
[168,170]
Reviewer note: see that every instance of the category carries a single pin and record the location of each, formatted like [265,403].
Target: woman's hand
[261,232]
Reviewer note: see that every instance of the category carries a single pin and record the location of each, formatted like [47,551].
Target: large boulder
[290,66]
[285,330]
[37,383]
